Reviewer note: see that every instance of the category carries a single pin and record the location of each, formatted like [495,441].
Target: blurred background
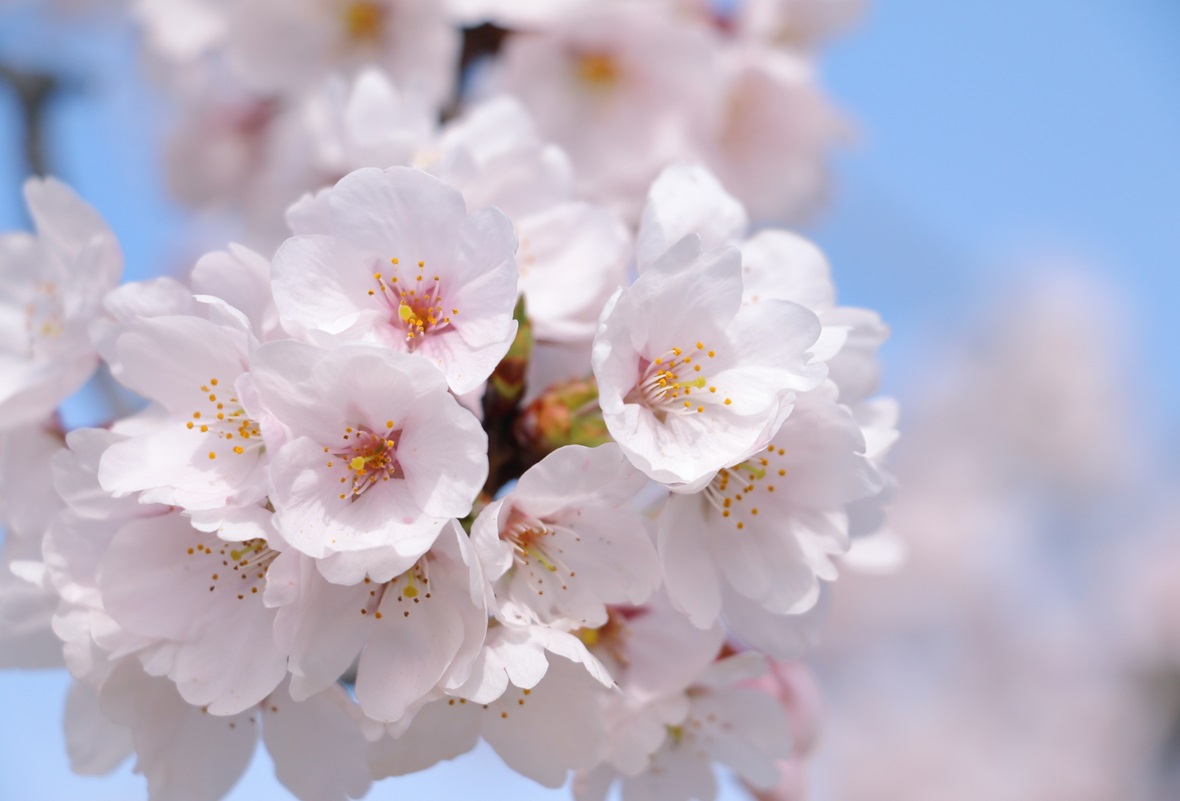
[1010,204]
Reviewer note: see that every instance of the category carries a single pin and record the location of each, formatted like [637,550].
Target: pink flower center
[666,385]
[536,552]
[415,301]
[735,491]
[368,457]
[365,21]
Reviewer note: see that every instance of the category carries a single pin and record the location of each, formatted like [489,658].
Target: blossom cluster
[507,438]
[623,87]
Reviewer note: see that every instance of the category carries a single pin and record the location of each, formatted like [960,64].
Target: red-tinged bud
[566,414]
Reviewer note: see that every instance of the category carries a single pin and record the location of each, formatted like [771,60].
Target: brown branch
[34,91]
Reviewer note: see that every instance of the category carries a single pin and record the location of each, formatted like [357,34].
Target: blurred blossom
[990,665]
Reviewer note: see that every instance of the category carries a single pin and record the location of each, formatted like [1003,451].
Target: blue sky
[996,137]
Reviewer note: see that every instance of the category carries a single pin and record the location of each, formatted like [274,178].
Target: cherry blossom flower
[54,282]
[754,542]
[623,88]
[370,456]
[691,380]
[200,601]
[408,267]
[769,141]
[201,450]
[562,544]
[281,46]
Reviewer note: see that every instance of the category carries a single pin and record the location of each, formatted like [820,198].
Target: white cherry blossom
[624,88]
[201,450]
[281,46]
[53,287]
[691,380]
[199,601]
[770,141]
[563,544]
[755,541]
[370,456]
[408,267]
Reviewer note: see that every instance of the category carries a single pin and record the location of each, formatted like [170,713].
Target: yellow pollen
[189,424]
[741,525]
[421,264]
[238,449]
[364,21]
[357,463]
[204,429]
[212,455]
[213,381]
[394,261]
[728,401]
[598,69]
[196,415]
[410,591]
[712,354]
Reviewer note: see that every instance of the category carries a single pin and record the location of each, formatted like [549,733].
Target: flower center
[411,587]
[536,553]
[598,69]
[415,300]
[735,491]
[667,383]
[243,564]
[226,418]
[364,21]
[368,457]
